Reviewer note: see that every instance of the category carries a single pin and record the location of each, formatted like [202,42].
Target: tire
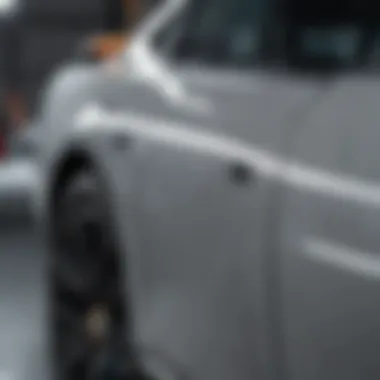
[86,310]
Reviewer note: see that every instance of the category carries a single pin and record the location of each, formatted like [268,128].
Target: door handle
[240,174]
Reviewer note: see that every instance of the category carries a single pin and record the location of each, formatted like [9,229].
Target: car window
[222,32]
[315,34]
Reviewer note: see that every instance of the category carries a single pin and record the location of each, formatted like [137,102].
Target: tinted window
[222,32]
[313,33]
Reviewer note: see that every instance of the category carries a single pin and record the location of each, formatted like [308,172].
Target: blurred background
[36,38]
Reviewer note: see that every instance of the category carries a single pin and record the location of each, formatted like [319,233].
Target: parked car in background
[212,204]
[19,179]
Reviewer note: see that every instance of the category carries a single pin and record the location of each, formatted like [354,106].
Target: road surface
[22,305]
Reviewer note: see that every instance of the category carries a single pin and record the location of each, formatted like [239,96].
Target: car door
[199,213]
[330,238]
[198,221]
[201,217]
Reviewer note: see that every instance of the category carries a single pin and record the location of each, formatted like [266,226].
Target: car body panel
[184,159]
[269,274]
[329,242]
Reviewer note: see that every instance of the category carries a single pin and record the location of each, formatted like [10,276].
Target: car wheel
[87,313]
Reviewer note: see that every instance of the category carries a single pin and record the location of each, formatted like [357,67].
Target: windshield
[297,33]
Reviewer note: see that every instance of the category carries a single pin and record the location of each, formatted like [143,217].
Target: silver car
[19,179]
[212,197]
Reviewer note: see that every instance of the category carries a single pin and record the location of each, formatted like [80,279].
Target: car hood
[254,108]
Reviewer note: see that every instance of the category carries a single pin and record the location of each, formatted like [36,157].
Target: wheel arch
[71,163]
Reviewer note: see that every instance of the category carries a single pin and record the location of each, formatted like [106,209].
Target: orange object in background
[106,45]
[13,115]
[119,17]
[17,109]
